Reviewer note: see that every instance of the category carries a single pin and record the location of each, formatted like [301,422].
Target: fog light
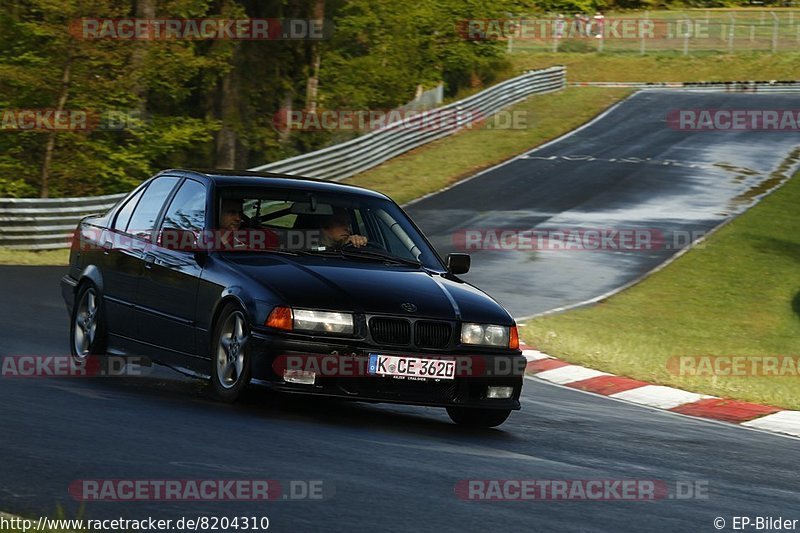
[499,392]
[303,377]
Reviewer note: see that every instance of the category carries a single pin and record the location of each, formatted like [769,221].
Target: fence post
[642,46]
[686,31]
[774,31]
[731,33]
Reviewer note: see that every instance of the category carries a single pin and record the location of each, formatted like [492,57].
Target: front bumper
[346,377]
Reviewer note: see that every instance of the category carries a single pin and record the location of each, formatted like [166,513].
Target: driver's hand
[357,240]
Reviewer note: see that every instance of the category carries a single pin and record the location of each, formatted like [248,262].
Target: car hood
[372,288]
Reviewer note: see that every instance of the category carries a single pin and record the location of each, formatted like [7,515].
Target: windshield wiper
[369,254]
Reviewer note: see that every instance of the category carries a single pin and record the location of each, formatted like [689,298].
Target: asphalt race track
[389,468]
[628,170]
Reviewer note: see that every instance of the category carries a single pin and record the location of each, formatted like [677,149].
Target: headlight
[484,334]
[323,321]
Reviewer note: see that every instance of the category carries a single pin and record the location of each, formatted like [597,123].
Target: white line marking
[782,422]
[656,409]
[535,355]
[569,374]
[659,396]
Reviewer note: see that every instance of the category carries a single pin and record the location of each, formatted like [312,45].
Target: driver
[336,231]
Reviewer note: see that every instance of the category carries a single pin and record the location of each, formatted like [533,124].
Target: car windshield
[355,227]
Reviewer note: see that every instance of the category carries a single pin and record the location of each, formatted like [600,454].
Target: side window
[144,216]
[124,214]
[188,209]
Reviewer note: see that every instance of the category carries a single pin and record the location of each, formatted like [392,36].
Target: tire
[230,356]
[483,418]
[87,330]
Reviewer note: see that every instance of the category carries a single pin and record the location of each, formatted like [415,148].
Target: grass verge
[666,66]
[446,161]
[40,258]
[739,295]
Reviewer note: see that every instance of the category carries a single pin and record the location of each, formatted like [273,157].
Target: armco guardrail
[362,153]
[40,224]
[46,223]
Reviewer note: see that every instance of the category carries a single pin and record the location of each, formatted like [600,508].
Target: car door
[167,293]
[131,238]
[123,250]
[120,267]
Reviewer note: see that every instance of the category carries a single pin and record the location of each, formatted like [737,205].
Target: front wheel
[484,418]
[87,327]
[230,358]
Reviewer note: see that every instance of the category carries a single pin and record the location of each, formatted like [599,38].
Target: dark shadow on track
[259,403]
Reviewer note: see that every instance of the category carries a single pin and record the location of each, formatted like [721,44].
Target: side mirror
[458,263]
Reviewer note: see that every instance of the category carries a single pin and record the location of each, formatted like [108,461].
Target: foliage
[178,96]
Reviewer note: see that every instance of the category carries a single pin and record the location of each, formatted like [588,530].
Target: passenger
[230,216]
[237,234]
[231,221]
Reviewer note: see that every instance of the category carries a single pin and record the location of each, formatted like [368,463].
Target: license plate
[418,367]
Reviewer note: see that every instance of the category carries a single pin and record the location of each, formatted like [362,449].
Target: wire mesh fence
[686,32]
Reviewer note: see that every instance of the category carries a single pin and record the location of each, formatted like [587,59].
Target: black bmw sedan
[303,285]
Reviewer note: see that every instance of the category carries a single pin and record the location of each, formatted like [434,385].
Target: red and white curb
[752,415]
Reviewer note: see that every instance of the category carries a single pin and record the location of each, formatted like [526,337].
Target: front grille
[390,331]
[432,334]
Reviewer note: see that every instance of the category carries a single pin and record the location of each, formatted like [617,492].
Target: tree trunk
[145,9]
[284,132]
[229,113]
[312,85]
[51,137]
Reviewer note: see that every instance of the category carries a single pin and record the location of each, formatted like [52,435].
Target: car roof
[270,179]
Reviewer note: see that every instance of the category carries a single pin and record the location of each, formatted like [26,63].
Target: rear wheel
[484,418]
[88,327]
[230,358]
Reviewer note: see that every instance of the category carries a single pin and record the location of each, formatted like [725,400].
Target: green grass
[737,295]
[665,66]
[446,161]
[44,257]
